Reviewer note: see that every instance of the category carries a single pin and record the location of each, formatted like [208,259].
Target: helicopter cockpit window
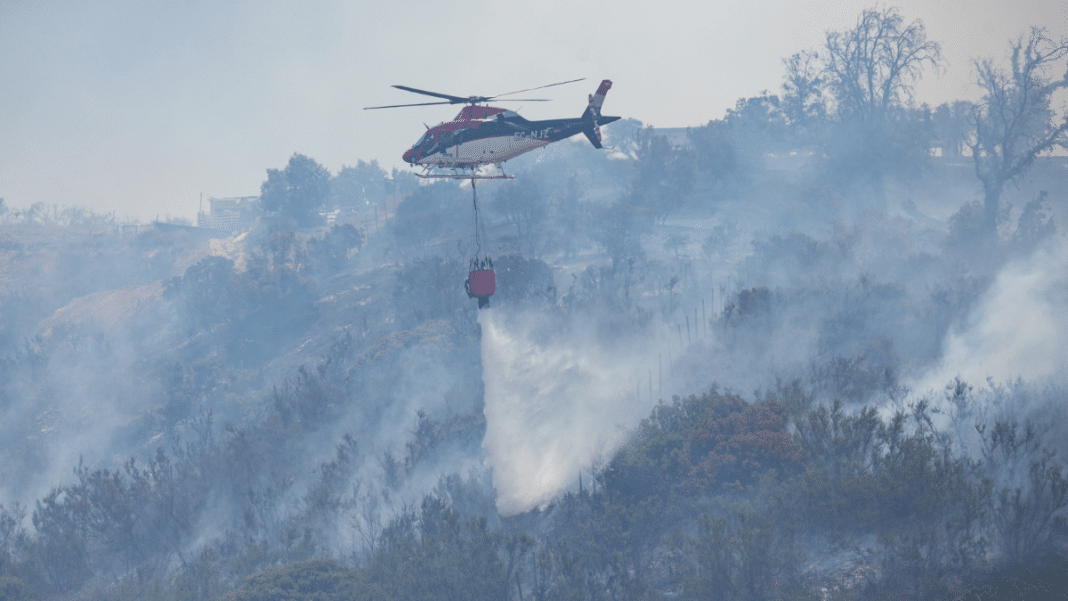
[424,142]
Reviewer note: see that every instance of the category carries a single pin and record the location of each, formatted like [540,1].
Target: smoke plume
[1017,330]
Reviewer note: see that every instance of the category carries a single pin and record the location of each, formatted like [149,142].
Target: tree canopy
[298,191]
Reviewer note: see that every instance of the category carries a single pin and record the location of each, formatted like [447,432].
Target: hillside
[774,381]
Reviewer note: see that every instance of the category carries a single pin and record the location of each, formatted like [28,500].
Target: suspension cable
[479,233]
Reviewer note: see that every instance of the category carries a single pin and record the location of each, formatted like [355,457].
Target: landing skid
[471,176]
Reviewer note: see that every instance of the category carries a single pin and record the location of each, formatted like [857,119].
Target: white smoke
[558,402]
[1019,329]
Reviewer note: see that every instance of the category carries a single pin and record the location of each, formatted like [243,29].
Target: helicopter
[482,135]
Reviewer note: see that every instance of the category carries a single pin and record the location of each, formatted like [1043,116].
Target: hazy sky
[138,107]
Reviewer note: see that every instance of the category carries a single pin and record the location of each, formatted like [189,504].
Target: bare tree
[803,101]
[872,67]
[869,73]
[1014,121]
[368,521]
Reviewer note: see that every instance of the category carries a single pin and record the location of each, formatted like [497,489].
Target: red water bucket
[482,282]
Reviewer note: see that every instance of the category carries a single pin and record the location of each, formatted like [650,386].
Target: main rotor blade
[468,100]
[393,106]
[453,99]
[537,88]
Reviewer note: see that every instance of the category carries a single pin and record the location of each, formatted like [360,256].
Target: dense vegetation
[300,412]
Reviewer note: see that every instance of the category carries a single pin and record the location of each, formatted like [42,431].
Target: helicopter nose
[408,156]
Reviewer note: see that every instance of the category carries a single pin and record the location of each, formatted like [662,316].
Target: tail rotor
[593,114]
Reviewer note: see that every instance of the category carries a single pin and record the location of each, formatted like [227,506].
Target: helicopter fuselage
[482,135]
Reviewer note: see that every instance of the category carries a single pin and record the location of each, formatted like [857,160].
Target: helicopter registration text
[539,134]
